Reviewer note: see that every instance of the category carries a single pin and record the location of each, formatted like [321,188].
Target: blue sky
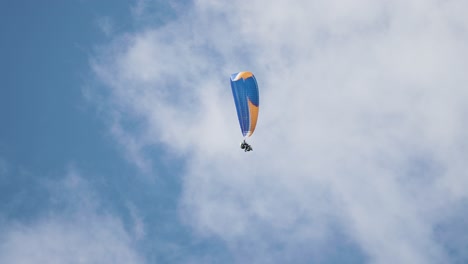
[50,130]
[119,140]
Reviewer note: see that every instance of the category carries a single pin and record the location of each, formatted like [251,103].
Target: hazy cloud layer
[361,142]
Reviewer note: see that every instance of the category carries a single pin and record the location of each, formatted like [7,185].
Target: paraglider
[245,92]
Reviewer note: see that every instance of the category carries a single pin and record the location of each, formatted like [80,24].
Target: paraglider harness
[245,146]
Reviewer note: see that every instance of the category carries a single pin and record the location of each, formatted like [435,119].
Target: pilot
[245,146]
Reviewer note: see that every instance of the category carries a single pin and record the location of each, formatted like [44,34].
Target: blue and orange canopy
[245,91]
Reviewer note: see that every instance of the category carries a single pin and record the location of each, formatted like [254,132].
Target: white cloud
[88,239]
[79,233]
[362,122]
[138,222]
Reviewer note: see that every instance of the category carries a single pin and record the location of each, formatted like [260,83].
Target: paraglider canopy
[245,92]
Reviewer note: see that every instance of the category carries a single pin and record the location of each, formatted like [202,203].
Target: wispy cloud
[106,25]
[361,128]
[88,239]
[80,232]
